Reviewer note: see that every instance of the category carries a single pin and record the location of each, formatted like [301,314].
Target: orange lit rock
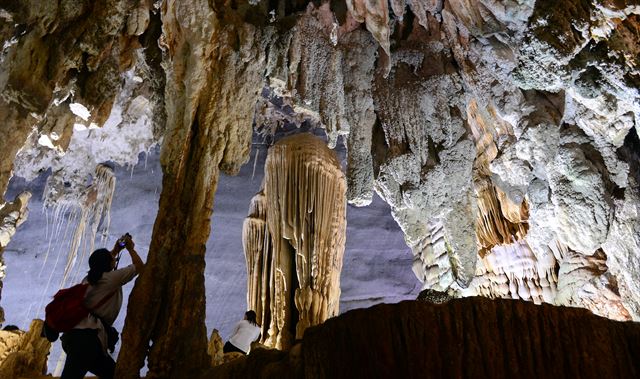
[24,354]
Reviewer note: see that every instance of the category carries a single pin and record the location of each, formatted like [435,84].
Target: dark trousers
[229,348]
[85,353]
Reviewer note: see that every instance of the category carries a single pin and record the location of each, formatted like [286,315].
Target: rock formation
[256,243]
[24,354]
[91,210]
[471,337]
[294,239]
[208,129]
[504,135]
[214,348]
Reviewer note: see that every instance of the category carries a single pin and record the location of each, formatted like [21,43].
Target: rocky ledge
[471,337]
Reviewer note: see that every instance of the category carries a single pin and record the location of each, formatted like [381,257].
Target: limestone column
[214,63]
[305,193]
[256,242]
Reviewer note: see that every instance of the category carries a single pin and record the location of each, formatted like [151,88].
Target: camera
[122,241]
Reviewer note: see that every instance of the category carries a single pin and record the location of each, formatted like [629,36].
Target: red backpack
[67,308]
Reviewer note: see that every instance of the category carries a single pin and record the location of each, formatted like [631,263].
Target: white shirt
[111,282]
[243,334]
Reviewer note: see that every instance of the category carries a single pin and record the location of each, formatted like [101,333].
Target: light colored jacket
[243,334]
[111,282]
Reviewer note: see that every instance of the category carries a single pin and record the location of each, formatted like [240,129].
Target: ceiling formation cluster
[503,134]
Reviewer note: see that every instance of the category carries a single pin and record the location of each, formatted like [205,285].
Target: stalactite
[12,215]
[507,266]
[95,212]
[513,271]
[305,203]
[514,213]
[375,15]
[493,227]
[431,259]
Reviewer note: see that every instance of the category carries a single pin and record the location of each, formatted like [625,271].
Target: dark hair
[99,263]
[251,317]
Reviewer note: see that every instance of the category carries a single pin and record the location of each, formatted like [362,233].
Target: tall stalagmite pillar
[256,242]
[305,200]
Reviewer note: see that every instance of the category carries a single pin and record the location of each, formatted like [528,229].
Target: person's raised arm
[135,258]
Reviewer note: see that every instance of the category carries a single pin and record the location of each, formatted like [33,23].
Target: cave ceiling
[503,135]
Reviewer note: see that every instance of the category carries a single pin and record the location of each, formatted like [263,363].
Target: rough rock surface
[208,129]
[25,356]
[471,337]
[61,68]
[214,348]
[434,297]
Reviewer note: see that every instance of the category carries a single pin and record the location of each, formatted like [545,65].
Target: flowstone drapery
[256,242]
[294,239]
[92,210]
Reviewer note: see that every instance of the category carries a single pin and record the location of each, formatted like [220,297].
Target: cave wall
[474,117]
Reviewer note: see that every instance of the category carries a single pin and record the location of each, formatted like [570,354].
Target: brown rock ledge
[470,337]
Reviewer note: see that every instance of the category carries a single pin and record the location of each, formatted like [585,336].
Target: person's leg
[79,357]
[104,367]
[74,368]
[230,348]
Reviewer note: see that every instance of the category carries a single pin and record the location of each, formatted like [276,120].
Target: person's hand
[129,244]
[116,248]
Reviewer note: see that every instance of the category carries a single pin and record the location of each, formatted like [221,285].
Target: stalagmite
[294,266]
[256,242]
[215,348]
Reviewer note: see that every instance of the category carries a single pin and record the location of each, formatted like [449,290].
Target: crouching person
[246,331]
[87,343]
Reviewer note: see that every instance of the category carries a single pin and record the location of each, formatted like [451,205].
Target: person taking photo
[88,343]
